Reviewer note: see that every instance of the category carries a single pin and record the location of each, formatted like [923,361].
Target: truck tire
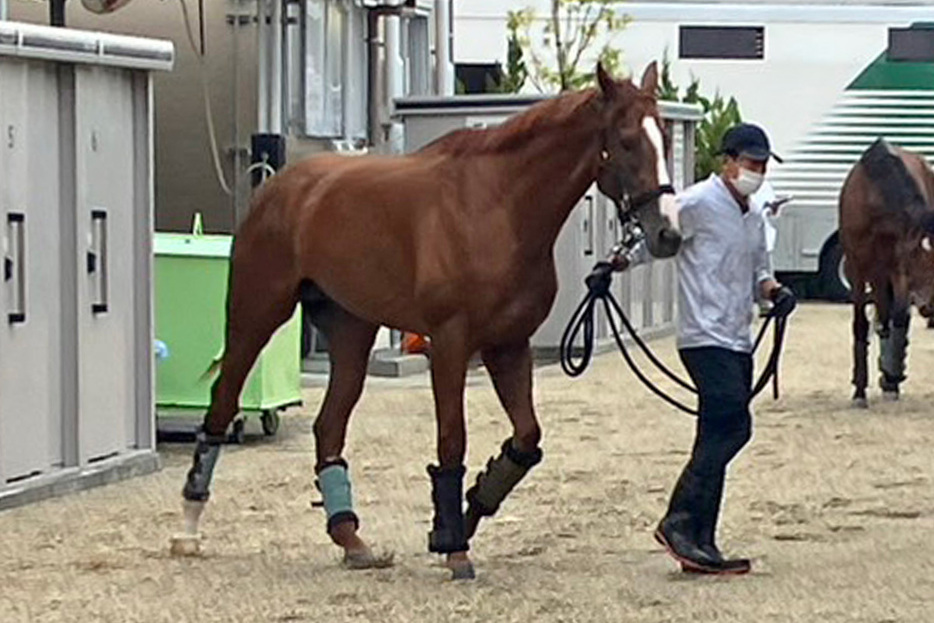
[834,285]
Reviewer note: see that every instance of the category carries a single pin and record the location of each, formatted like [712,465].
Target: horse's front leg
[449,358]
[349,342]
[511,370]
[894,337]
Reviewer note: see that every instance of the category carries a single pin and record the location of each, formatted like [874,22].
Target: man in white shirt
[723,267]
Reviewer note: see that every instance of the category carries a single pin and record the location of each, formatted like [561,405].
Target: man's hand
[619,262]
[783,302]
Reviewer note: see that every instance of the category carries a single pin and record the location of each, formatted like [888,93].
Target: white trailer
[825,80]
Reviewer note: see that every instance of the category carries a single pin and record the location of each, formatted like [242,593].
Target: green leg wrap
[502,475]
[334,484]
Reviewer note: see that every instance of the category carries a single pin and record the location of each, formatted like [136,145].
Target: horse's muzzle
[667,243]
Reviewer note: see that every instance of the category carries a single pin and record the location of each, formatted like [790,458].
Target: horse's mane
[886,170]
[554,112]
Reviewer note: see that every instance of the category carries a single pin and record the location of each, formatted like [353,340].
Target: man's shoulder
[698,194]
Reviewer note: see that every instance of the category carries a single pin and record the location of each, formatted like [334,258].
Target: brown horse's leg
[349,342]
[860,345]
[260,299]
[511,370]
[448,372]
[860,333]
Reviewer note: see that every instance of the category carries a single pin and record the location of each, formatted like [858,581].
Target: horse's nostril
[669,237]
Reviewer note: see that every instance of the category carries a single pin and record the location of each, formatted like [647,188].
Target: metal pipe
[237,159]
[395,69]
[201,24]
[275,87]
[3,10]
[372,76]
[444,48]
[262,49]
[293,67]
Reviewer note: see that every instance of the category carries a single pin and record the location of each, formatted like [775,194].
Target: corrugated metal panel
[815,169]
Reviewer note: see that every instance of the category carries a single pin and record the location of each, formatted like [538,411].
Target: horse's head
[633,170]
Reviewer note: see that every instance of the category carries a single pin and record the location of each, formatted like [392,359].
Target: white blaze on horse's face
[926,244]
[667,203]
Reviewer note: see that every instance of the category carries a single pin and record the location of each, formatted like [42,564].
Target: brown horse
[455,242]
[886,218]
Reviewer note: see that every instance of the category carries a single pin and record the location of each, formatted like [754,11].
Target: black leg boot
[706,523]
[677,532]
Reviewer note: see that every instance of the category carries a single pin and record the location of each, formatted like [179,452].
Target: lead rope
[598,289]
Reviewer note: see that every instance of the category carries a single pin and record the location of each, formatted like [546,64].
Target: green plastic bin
[191,294]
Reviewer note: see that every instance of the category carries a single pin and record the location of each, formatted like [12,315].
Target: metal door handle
[14,267]
[97,262]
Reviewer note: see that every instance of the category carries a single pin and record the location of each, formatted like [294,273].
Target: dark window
[722,42]
[911,45]
[479,77]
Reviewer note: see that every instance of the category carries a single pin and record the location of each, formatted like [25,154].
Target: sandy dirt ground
[835,505]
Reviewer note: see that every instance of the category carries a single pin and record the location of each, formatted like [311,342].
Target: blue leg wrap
[334,484]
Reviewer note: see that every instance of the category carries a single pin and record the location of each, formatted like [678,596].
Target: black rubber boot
[447,492]
[706,525]
[687,530]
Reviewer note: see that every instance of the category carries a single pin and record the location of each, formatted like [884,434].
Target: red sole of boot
[688,566]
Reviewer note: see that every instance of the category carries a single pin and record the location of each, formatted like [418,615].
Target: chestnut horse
[886,218]
[454,241]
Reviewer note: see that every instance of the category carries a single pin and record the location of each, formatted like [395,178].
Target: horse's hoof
[860,403]
[368,560]
[185,545]
[890,396]
[462,571]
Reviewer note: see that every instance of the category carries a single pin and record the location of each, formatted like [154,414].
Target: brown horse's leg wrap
[502,474]
[198,482]
[334,484]
[447,488]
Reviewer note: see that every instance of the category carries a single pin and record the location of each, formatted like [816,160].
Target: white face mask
[747,182]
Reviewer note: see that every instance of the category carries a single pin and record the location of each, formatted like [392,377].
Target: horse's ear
[606,82]
[650,79]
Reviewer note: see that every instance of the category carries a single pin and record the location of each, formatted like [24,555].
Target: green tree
[571,31]
[517,72]
[719,116]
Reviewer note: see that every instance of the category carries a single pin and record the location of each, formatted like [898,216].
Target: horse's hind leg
[511,370]
[349,342]
[260,299]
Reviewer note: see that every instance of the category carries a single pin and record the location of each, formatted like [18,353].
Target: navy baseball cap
[749,140]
